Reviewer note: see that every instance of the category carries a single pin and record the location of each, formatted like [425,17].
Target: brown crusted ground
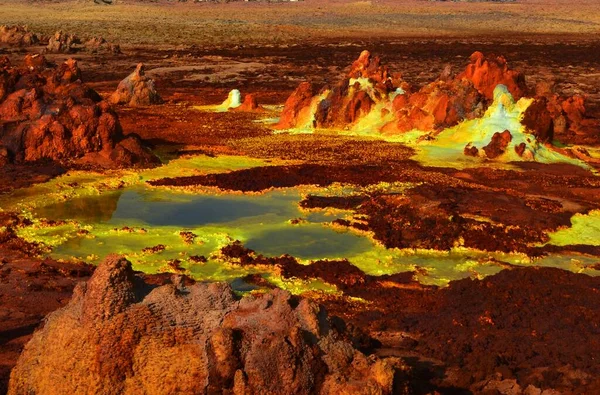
[507,326]
[498,328]
[341,273]
[19,176]
[493,329]
[262,178]
[29,290]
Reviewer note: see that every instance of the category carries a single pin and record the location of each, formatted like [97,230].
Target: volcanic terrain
[331,210]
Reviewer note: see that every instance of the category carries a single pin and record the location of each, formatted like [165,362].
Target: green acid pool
[86,217]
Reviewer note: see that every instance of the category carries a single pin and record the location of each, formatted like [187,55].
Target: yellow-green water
[585,229]
[118,212]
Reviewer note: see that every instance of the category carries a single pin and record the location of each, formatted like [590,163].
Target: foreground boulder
[120,335]
[48,113]
[136,90]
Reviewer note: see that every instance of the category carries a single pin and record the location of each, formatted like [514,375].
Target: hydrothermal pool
[134,220]
[87,216]
[263,222]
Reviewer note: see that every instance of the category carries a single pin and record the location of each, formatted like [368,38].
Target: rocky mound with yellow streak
[484,111]
[121,335]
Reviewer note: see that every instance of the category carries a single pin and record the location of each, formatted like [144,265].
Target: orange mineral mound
[552,117]
[487,72]
[119,334]
[47,112]
[371,91]
[250,104]
[372,100]
[136,90]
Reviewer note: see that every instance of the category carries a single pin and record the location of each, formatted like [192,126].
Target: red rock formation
[438,105]
[136,90]
[369,67]
[119,335]
[250,104]
[486,72]
[48,113]
[539,120]
[498,144]
[62,43]
[18,36]
[296,104]
[367,83]
[448,101]
[343,106]
[552,117]
[100,45]
[520,149]
[441,104]
[471,150]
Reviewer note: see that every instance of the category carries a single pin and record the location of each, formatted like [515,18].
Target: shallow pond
[82,216]
[263,222]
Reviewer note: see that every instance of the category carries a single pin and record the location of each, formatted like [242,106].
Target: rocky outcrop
[120,335]
[48,113]
[136,90]
[438,105]
[367,83]
[370,67]
[250,104]
[297,108]
[62,42]
[551,116]
[498,144]
[487,72]
[386,103]
[100,45]
[471,150]
[18,36]
[235,103]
